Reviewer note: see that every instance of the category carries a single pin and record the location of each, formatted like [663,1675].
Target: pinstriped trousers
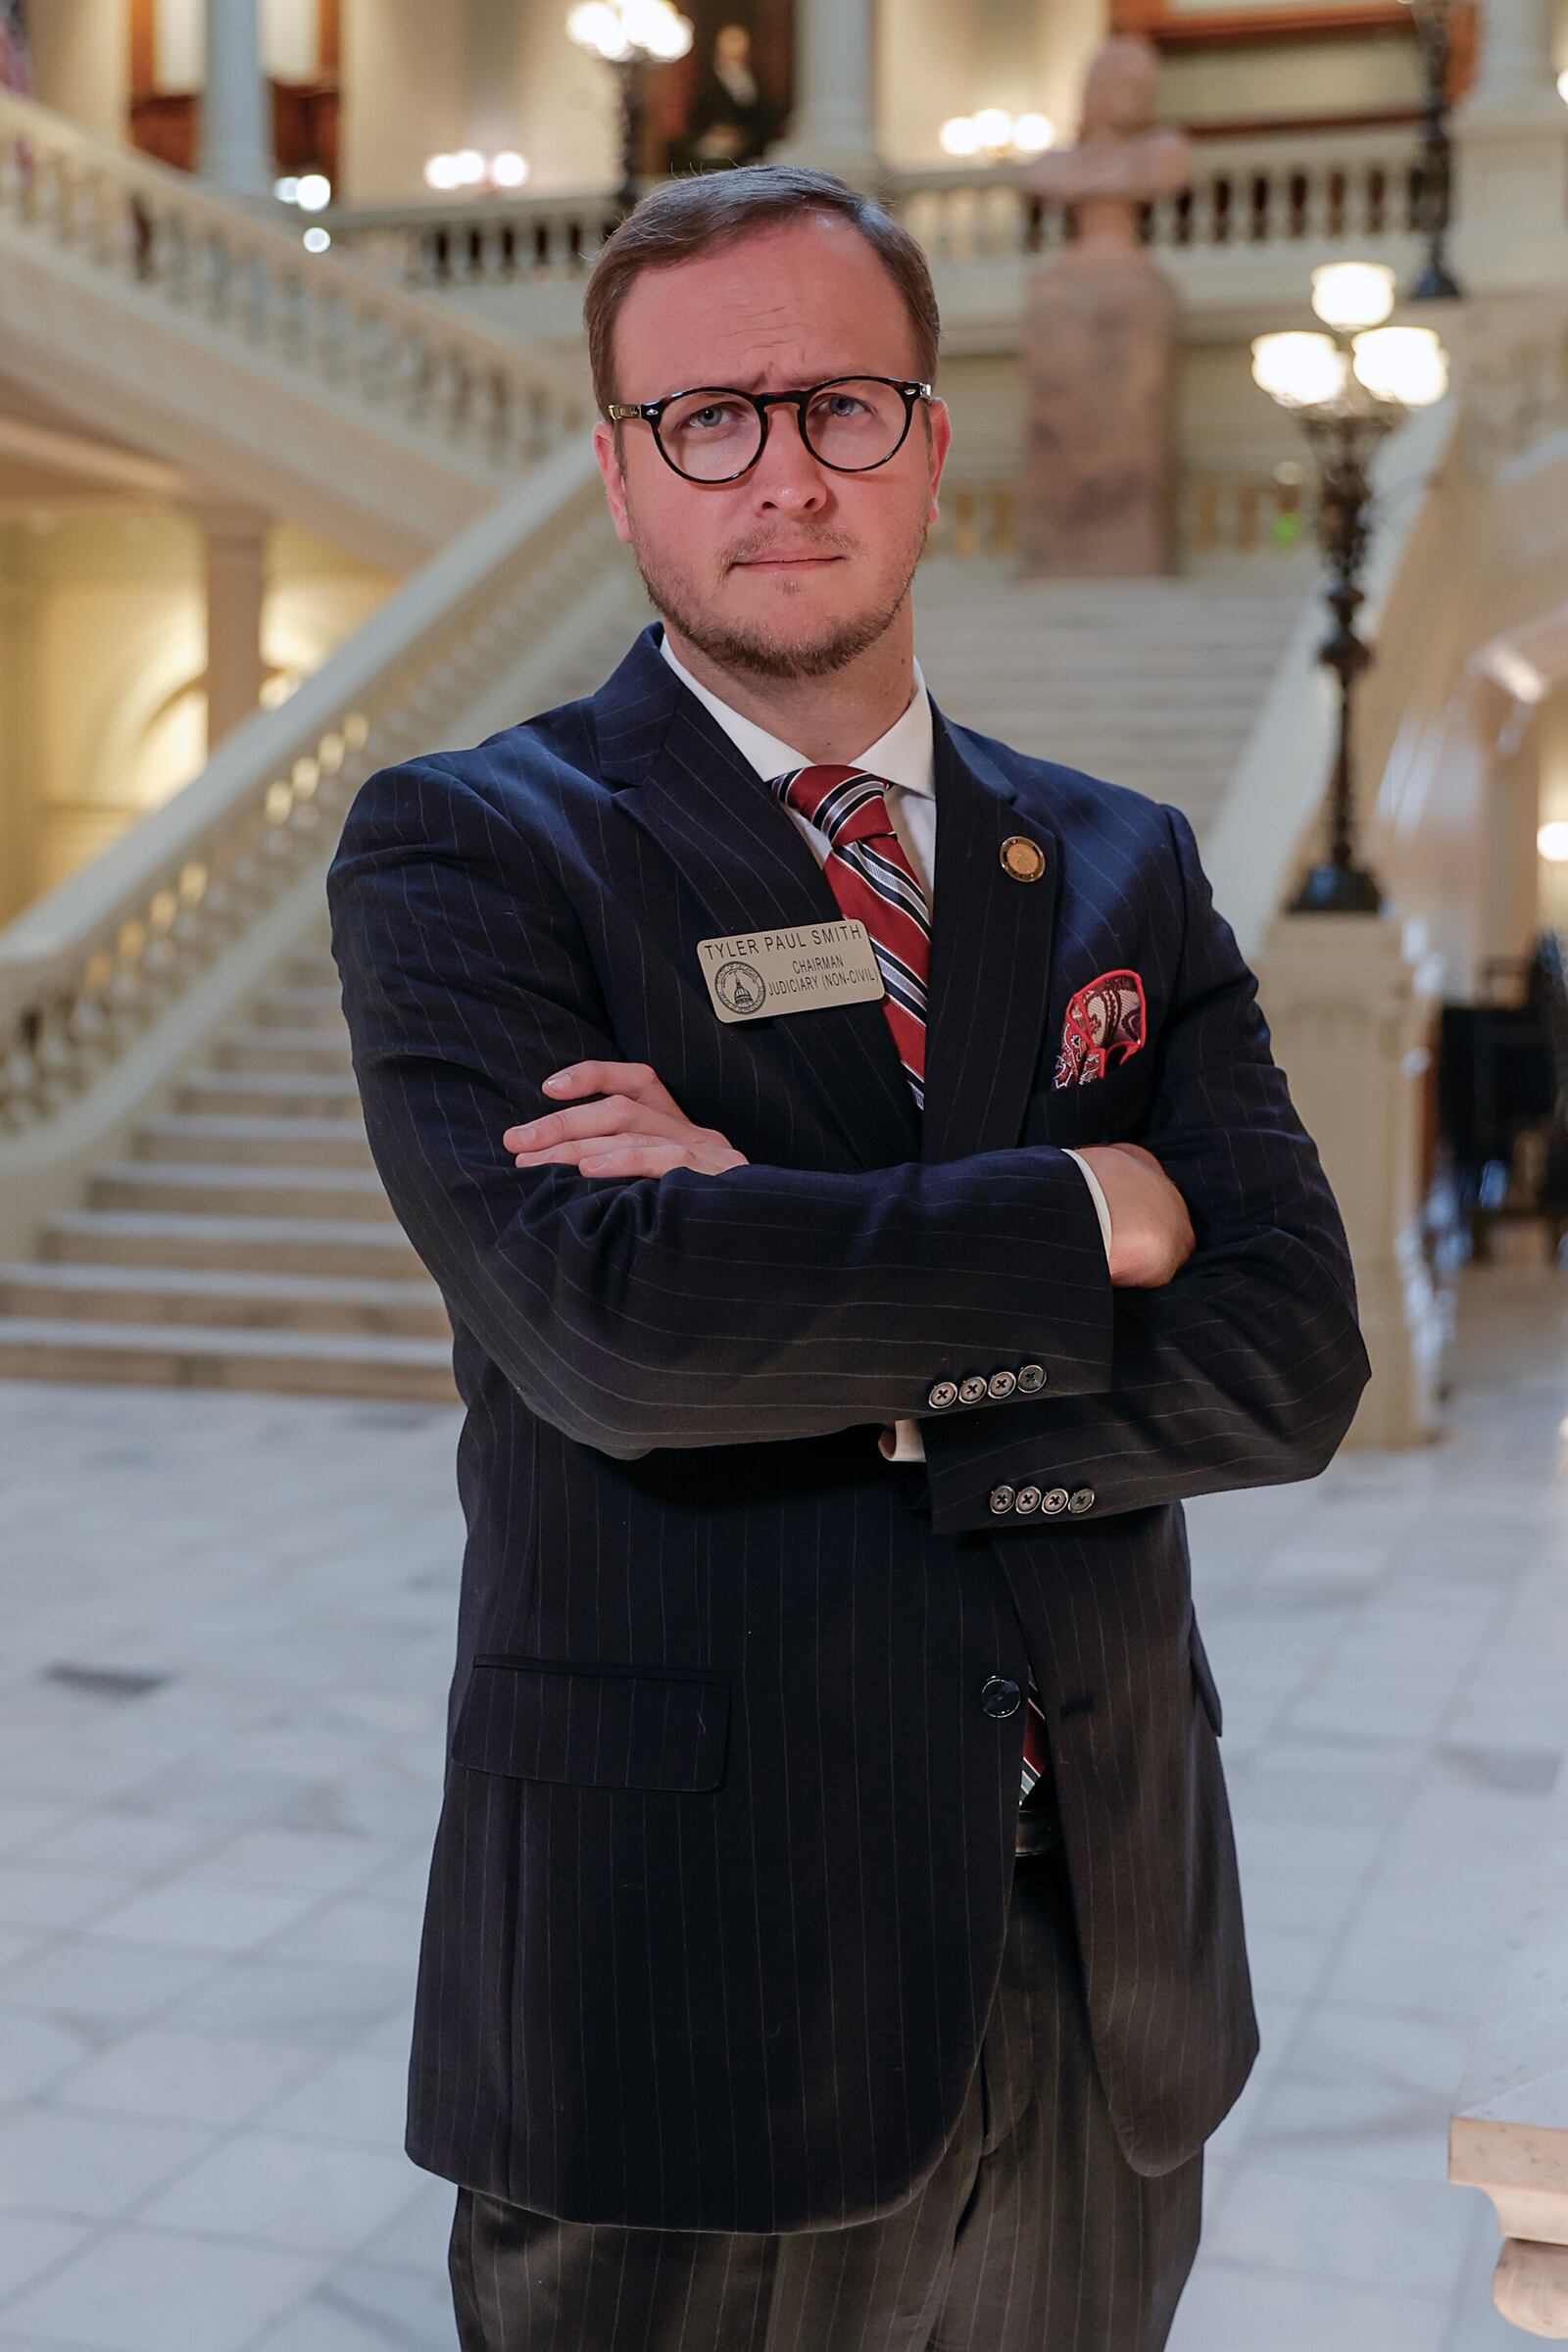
[1031,2235]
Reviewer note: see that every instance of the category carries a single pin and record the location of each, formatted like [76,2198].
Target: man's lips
[779,563]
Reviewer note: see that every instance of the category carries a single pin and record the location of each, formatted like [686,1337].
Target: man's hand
[636,1128]
[1150,1232]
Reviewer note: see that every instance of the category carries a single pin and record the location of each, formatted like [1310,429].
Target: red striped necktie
[873,881]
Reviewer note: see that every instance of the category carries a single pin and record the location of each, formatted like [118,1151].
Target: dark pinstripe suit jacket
[717,1897]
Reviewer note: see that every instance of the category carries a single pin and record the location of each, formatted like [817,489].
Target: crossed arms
[742,1302]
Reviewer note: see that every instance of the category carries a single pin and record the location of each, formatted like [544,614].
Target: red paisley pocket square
[1104,1026]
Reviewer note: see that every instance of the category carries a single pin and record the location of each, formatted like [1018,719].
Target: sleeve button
[1082,1498]
[1001,1498]
[1031,1377]
[1054,1501]
[1028,1499]
[946,1391]
[1002,1384]
[972,1388]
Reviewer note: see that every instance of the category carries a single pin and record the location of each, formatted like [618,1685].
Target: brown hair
[707,210]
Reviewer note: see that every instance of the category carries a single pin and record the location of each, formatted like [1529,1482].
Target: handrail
[124,942]
[337,322]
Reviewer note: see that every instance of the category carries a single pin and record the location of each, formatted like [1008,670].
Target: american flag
[16,62]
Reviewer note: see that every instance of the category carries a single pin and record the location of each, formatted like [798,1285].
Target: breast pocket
[592,1723]
[1094,1110]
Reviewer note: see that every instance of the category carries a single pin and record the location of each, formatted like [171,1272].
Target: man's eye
[719,411]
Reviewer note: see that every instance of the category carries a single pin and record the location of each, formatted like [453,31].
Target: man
[836,1361]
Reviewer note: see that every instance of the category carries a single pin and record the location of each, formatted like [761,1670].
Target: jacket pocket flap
[1203,1677]
[596,1724]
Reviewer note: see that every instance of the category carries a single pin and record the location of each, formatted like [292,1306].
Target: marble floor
[229,1625]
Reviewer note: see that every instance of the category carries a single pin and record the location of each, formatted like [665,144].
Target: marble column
[1511,157]
[833,124]
[237,151]
[1516,66]
[236,566]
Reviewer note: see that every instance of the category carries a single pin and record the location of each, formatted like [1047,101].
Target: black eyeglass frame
[908,387]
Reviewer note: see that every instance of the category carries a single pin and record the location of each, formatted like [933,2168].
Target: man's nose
[786,471]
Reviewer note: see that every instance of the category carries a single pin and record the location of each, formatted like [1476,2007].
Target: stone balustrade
[245,275]
[1262,191]
[137,954]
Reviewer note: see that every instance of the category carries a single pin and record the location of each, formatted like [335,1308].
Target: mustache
[750,551]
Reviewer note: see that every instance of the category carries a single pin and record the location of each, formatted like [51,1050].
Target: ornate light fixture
[1348,388]
[995,136]
[1434,28]
[631,35]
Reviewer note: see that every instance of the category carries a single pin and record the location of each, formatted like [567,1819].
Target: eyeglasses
[715,434]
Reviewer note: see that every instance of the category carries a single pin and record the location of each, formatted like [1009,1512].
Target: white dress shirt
[905,758]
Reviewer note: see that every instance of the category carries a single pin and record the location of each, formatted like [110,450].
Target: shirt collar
[905,755]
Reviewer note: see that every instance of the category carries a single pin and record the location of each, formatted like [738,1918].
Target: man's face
[795,570]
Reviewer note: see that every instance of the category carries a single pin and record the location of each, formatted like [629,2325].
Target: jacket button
[1054,1501]
[1082,1498]
[946,1391]
[1002,1384]
[1000,1696]
[971,1389]
[1001,1498]
[1028,1499]
[1031,1377]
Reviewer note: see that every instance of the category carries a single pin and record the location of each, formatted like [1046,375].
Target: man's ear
[614,479]
[941,441]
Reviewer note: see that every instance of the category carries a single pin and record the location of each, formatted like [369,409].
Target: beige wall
[1304,78]
[402,73]
[102,647]
[81,60]
[418,80]
[935,60]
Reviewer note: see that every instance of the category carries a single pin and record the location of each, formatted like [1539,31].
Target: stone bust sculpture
[1122,156]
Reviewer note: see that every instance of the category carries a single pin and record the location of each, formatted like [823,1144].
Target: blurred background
[1256,349]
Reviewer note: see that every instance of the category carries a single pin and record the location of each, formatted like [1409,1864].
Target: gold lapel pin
[1024,860]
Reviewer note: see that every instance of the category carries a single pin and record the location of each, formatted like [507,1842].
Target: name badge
[755,973]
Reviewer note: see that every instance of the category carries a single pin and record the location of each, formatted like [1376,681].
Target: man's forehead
[760,315]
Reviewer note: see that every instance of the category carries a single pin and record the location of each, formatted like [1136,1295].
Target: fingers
[615,1114]
[638,1079]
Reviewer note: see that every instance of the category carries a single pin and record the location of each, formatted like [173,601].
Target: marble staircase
[245,1242]
[1152,683]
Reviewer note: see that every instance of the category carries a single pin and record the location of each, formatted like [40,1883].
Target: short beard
[755,656]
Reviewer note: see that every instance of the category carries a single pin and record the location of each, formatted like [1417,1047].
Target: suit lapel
[990,940]
[743,866]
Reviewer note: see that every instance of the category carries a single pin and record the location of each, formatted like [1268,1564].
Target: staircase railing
[112,979]
[173,240]
[1266,189]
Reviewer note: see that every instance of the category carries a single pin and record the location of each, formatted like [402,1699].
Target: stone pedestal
[1099,478]
[1508,2134]
[1351,1021]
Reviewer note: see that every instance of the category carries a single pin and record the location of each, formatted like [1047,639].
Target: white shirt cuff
[1102,1210]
